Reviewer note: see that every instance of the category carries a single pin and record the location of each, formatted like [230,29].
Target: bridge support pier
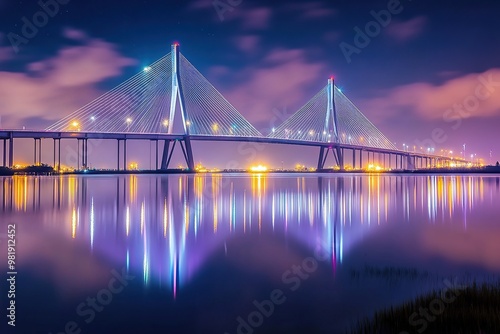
[189,154]
[353,159]
[124,154]
[78,154]
[37,156]
[337,152]
[4,161]
[57,153]
[118,156]
[165,160]
[156,154]
[361,159]
[85,156]
[11,151]
[410,162]
[322,158]
[187,151]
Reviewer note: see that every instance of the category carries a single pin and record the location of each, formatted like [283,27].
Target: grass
[476,309]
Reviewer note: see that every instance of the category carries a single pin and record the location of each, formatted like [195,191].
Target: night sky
[429,77]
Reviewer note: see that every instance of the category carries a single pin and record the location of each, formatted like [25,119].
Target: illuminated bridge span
[146,106]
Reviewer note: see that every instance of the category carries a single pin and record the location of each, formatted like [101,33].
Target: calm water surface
[205,254]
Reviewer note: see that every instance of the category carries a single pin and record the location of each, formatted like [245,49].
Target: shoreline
[469,308]
[49,171]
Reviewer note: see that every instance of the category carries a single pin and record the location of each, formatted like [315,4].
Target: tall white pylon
[177,92]
[331,122]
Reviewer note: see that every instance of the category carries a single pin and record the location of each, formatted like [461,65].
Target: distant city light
[165,123]
[128,120]
[92,118]
[258,169]
[375,168]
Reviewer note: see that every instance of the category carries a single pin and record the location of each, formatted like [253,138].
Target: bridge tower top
[177,92]
[331,121]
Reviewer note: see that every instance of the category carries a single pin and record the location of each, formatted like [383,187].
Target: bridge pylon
[331,129]
[177,94]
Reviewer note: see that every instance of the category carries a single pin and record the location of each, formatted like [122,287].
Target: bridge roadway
[9,136]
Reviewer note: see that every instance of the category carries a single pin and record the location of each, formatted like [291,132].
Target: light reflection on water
[165,228]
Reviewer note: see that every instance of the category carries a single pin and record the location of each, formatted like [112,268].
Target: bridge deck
[30,134]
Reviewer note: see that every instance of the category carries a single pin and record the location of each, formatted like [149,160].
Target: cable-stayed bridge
[172,91]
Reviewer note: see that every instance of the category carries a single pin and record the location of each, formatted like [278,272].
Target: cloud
[75,34]
[403,31]
[312,10]
[258,18]
[247,43]
[285,78]
[476,94]
[54,87]
[6,52]
[253,19]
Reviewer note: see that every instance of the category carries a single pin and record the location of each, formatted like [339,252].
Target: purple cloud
[312,10]
[247,43]
[403,31]
[54,87]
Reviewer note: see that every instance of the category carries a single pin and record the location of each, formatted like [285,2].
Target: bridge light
[165,123]
[128,120]
[188,123]
[92,118]
[147,69]
[215,127]
[311,133]
[273,130]
[75,124]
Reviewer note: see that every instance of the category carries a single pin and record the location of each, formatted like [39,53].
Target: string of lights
[310,123]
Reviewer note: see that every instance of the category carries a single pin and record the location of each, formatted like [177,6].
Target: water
[239,254]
